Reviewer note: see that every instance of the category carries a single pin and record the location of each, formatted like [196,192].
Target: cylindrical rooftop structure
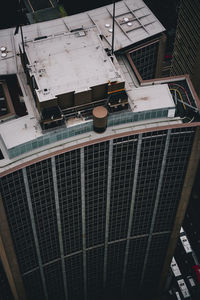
[100,116]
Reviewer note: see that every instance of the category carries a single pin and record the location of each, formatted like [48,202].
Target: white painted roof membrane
[70,62]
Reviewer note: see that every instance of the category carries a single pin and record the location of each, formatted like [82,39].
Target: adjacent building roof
[134,22]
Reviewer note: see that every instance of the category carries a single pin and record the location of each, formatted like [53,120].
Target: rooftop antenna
[113,28]
[19,26]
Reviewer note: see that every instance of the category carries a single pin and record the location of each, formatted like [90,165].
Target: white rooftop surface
[151,97]
[68,63]
[142,24]
[8,64]
[19,131]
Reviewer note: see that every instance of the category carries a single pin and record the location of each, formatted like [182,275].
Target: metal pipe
[22,37]
[113,28]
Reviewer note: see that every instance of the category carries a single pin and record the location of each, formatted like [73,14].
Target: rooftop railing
[64,133]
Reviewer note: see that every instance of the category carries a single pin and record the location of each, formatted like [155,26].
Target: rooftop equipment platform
[70,69]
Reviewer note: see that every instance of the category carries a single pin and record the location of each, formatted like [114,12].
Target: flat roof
[67,55]
[69,62]
[134,22]
[18,131]
[151,97]
[8,65]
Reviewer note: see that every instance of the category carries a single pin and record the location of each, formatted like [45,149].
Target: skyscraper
[186,55]
[86,214]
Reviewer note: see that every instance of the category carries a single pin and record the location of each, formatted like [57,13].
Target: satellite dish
[3,49]
[126,19]
[3,55]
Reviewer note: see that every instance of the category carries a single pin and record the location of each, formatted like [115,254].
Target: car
[186,244]
[183,287]
[196,268]
[174,267]
[191,281]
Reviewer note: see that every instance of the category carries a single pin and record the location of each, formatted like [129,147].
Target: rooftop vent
[46,91]
[80,33]
[41,72]
[3,55]
[40,38]
[3,49]
[3,52]
[76,29]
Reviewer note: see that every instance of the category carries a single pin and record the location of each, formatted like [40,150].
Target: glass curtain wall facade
[145,60]
[95,222]
[186,54]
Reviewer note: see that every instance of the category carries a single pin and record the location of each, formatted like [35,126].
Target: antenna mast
[113,28]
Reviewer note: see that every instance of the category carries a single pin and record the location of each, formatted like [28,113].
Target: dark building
[5,292]
[186,55]
[86,215]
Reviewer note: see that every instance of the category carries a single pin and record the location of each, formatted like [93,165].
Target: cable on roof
[176,84]
[179,96]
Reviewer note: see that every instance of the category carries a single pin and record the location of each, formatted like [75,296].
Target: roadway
[185,262]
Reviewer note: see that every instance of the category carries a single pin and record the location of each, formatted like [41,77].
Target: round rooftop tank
[100,116]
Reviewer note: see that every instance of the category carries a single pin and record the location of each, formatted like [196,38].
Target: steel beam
[83,220]
[110,156]
[156,204]
[132,207]
[30,207]
[53,165]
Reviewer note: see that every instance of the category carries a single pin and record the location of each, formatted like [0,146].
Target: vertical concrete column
[132,207]
[30,207]
[53,164]
[110,157]
[156,204]
[83,221]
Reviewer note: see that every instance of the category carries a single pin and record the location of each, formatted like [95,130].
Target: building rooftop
[69,62]
[19,131]
[134,22]
[151,97]
[70,55]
